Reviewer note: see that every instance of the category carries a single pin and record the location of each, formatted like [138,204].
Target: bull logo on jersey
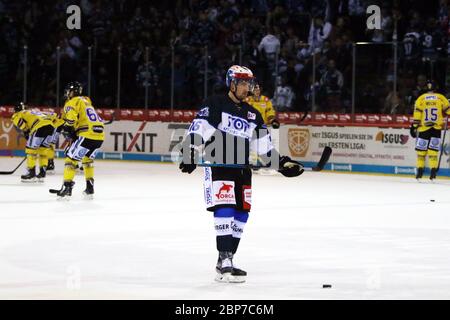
[224,192]
[298,141]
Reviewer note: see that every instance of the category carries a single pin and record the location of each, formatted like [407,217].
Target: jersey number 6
[91,114]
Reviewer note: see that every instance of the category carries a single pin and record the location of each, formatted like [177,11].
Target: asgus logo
[298,140]
[392,138]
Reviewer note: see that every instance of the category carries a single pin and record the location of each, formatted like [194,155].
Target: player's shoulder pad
[441,96]
[207,107]
[421,97]
[86,99]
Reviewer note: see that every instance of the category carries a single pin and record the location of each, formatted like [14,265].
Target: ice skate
[225,270]
[65,193]
[30,176]
[89,191]
[433,174]
[42,173]
[50,167]
[419,174]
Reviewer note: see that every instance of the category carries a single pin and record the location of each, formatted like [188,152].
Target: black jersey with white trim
[232,128]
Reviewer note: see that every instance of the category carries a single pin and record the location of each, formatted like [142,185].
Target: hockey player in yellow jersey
[264,106]
[57,122]
[38,129]
[430,112]
[86,130]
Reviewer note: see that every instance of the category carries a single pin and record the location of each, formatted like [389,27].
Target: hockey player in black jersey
[224,131]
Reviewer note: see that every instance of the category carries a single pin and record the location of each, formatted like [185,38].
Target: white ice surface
[146,235]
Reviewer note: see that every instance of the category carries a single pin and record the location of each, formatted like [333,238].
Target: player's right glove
[290,168]
[68,132]
[275,124]
[190,166]
[413,131]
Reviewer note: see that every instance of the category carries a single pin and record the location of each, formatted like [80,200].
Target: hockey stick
[326,153]
[304,116]
[442,145]
[12,171]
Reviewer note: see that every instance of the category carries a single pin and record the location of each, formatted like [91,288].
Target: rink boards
[355,149]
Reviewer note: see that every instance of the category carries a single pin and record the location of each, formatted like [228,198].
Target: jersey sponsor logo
[208,197]
[204,112]
[235,126]
[251,116]
[208,188]
[430,97]
[222,227]
[298,141]
[224,192]
[435,143]
[421,144]
[236,228]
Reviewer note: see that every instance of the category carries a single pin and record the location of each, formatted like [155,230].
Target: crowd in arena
[301,51]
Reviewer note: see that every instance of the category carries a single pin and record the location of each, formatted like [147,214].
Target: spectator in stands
[393,104]
[331,84]
[147,77]
[411,52]
[419,89]
[318,33]
[269,45]
[225,26]
[283,98]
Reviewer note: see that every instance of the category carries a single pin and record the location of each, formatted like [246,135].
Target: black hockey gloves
[275,124]
[289,167]
[413,131]
[68,132]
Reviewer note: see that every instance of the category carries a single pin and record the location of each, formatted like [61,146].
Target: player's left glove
[413,131]
[289,167]
[275,124]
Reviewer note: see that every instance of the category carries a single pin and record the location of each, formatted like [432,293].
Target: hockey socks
[239,221]
[229,224]
[223,219]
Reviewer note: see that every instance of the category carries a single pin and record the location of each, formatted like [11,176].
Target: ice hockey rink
[146,235]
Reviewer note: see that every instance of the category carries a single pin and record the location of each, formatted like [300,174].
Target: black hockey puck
[432,200]
[326,286]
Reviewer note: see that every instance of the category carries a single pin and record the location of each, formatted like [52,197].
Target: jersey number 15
[431,114]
